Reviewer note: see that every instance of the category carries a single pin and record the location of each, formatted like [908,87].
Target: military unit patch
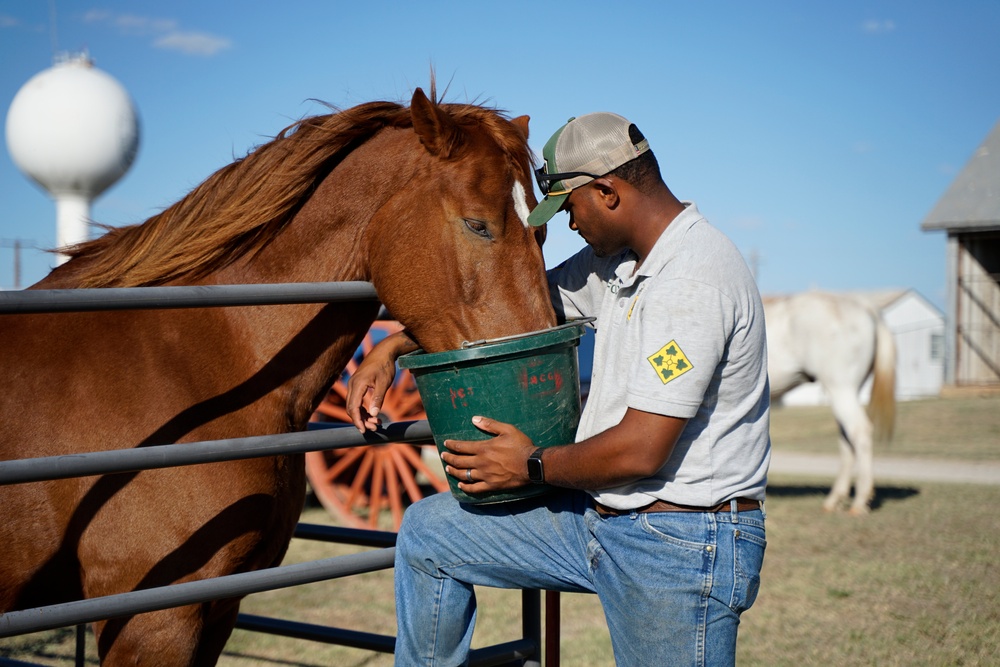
[669,362]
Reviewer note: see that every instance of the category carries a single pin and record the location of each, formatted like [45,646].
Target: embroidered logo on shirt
[642,286]
[669,362]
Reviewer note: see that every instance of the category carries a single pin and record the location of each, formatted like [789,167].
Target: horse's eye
[478,227]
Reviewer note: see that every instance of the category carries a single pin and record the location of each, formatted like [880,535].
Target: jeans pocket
[679,529]
[748,557]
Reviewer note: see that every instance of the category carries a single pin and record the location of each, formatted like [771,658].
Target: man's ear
[608,191]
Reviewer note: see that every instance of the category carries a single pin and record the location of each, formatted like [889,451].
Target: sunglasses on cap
[543,179]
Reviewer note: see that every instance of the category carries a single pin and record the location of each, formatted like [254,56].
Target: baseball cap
[585,148]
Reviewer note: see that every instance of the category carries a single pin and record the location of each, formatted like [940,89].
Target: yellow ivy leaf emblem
[669,362]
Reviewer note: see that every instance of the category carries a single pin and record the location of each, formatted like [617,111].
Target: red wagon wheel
[356,484]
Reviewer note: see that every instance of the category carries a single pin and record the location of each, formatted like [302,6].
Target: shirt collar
[665,247]
[668,244]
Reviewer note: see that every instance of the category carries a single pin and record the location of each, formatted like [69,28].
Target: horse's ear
[521,123]
[439,134]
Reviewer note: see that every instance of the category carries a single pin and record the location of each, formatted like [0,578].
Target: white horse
[837,341]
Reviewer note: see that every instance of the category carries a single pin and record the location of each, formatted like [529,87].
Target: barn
[969,212]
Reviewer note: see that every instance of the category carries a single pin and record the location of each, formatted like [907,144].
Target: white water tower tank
[73,130]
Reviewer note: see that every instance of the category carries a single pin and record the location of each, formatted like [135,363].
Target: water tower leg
[72,221]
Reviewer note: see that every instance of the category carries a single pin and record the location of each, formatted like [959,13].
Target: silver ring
[468,474]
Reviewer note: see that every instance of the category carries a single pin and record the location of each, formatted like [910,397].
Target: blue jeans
[672,584]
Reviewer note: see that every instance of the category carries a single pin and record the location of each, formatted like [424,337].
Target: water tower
[73,130]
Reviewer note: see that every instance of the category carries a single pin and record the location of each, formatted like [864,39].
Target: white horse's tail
[882,407]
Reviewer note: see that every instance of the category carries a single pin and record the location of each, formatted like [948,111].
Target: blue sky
[817,135]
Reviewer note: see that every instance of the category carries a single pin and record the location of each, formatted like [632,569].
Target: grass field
[915,583]
[965,428]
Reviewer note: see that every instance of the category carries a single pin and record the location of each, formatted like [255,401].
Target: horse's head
[451,252]
[429,202]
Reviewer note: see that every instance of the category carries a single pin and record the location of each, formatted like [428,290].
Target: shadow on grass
[257,659]
[883,494]
[58,644]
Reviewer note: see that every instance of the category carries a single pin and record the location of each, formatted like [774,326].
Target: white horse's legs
[864,487]
[855,447]
[841,489]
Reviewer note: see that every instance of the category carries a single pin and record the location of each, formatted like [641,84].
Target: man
[660,507]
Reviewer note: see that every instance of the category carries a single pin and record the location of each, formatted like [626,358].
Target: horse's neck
[326,239]
[323,243]
[295,351]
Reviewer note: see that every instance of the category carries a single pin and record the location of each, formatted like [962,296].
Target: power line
[17,245]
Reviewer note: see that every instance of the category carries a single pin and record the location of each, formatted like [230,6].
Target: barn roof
[972,202]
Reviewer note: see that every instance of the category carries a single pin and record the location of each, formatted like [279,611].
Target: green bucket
[530,380]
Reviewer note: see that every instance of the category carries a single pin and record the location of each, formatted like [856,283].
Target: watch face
[535,471]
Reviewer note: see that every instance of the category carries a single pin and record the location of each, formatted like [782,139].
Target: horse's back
[815,336]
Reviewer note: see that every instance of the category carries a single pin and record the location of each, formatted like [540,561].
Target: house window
[937,347]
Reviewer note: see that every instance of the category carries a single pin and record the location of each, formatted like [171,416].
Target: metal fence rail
[317,438]
[191,592]
[507,653]
[186,296]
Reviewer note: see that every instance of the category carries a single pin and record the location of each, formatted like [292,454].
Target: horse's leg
[244,526]
[166,637]
[218,627]
[855,446]
[864,488]
[191,636]
[34,570]
[841,489]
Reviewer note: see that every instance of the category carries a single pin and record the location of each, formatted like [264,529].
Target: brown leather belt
[742,505]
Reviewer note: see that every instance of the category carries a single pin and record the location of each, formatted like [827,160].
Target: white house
[918,328]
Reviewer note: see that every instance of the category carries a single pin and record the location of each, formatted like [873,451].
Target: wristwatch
[536,472]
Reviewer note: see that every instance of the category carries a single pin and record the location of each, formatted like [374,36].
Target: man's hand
[491,465]
[373,378]
[635,448]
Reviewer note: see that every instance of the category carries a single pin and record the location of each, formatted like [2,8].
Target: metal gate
[524,651]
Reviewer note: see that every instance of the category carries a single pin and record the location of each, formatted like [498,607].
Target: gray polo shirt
[682,336]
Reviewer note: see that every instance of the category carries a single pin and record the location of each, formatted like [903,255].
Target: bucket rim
[527,334]
[490,349]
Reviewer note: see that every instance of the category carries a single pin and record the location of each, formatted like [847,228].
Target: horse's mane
[241,207]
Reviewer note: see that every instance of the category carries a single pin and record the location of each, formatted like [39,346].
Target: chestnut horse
[838,341]
[428,202]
